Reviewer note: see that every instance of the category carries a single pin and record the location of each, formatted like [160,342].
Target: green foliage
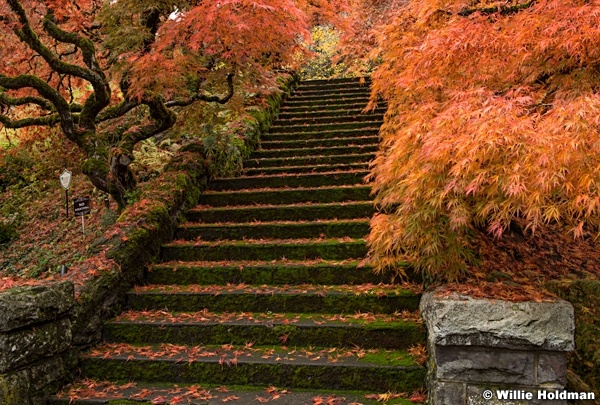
[224,152]
[324,47]
[150,158]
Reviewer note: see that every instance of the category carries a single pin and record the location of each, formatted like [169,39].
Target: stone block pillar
[491,352]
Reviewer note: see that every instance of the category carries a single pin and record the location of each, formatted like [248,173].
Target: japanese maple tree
[493,122]
[85,64]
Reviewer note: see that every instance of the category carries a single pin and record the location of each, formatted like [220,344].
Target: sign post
[65,182]
[81,209]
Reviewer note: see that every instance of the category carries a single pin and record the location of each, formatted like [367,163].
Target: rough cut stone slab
[552,369]
[26,346]
[485,365]
[23,306]
[445,393]
[47,372]
[460,320]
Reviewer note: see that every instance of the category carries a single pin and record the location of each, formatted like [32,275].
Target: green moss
[311,376]
[273,274]
[309,303]
[240,250]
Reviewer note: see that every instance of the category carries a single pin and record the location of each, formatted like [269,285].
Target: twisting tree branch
[17,101]
[204,97]
[48,120]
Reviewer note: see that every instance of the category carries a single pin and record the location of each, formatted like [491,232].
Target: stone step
[343,133]
[292,249]
[309,160]
[368,331]
[295,368]
[305,169]
[283,212]
[322,143]
[287,129]
[334,150]
[316,108]
[90,392]
[300,298]
[331,113]
[325,83]
[320,272]
[316,91]
[328,95]
[325,102]
[358,117]
[278,196]
[290,180]
[274,230]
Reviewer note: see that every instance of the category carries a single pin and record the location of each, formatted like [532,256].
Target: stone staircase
[261,297]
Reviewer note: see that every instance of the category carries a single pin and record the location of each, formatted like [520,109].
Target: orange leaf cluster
[493,118]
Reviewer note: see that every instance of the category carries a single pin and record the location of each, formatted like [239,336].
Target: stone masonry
[35,336]
[479,344]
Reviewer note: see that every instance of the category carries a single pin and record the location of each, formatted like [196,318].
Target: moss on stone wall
[585,361]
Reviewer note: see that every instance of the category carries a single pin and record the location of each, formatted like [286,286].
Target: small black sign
[82,206]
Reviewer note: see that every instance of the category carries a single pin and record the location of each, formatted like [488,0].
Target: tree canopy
[80,64]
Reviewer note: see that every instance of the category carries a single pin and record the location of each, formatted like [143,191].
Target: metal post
[67,201]
[83,224]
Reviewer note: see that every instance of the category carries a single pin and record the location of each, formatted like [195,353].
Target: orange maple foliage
[84,65]
[493,120]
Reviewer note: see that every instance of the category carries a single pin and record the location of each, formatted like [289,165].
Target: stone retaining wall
[35,340]
[481,349]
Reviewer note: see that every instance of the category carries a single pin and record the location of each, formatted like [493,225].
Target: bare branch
[17,101]
[46,121]
[117,111]
[47,92]
[207,98]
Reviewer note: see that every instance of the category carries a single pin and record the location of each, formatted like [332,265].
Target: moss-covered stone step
[91,392]
[367,331]
[358,81]
[306,169]
[283,212]
[338,101]
[295,109]
[329,249]
[320,272]
[328,120]
[333,150]
[256,366]
[291,180]
[274,230]
[315,91]
[314,143]
[344,133]
[344,112]
[328,95]
[323,127]
[302,298]
[279,196]
[309,160]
